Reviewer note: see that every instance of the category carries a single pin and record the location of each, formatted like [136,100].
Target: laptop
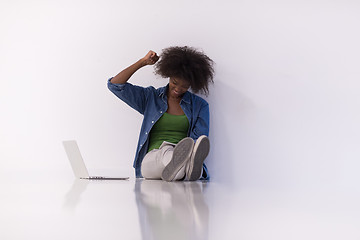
[78,165]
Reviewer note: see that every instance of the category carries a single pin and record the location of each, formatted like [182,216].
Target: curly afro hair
[189,64]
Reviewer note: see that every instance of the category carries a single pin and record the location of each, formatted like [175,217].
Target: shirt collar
[185,98]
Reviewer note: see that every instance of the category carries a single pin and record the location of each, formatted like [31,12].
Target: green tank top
[169,128]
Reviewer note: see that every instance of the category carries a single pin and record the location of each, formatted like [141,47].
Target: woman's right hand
[122,77]
[151,58]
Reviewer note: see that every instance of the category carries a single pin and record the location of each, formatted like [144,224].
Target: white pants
[156,160]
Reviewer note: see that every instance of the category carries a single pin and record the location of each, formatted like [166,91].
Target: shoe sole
[181,155]
[200,152]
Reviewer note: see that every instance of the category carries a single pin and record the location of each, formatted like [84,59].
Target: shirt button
[140,145]
[146,133]
[152,121]
[160,111]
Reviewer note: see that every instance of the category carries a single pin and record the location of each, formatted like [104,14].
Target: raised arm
[123,76]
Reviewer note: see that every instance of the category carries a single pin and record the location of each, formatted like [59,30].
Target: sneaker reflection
[172,210]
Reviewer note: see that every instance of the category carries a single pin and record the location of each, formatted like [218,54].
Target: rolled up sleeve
[132,95]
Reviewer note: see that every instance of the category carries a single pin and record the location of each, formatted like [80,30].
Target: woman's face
[177,87]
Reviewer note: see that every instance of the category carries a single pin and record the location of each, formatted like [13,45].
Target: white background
[285,106]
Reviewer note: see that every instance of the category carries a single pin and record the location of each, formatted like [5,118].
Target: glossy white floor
[142,209]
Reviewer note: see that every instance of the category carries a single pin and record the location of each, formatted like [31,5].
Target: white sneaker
[200,152]
[180,157]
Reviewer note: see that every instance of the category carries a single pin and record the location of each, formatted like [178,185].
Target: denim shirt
[152,103]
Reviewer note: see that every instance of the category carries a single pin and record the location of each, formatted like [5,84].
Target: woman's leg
[151,168]
[155,161]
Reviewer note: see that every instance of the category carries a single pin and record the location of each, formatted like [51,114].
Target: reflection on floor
[150,209]
[172,210]
[167,210]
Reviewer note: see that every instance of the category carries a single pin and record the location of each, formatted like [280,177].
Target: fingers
[150,54]
[152,57]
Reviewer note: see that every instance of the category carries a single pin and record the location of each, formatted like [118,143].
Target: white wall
[285,108]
